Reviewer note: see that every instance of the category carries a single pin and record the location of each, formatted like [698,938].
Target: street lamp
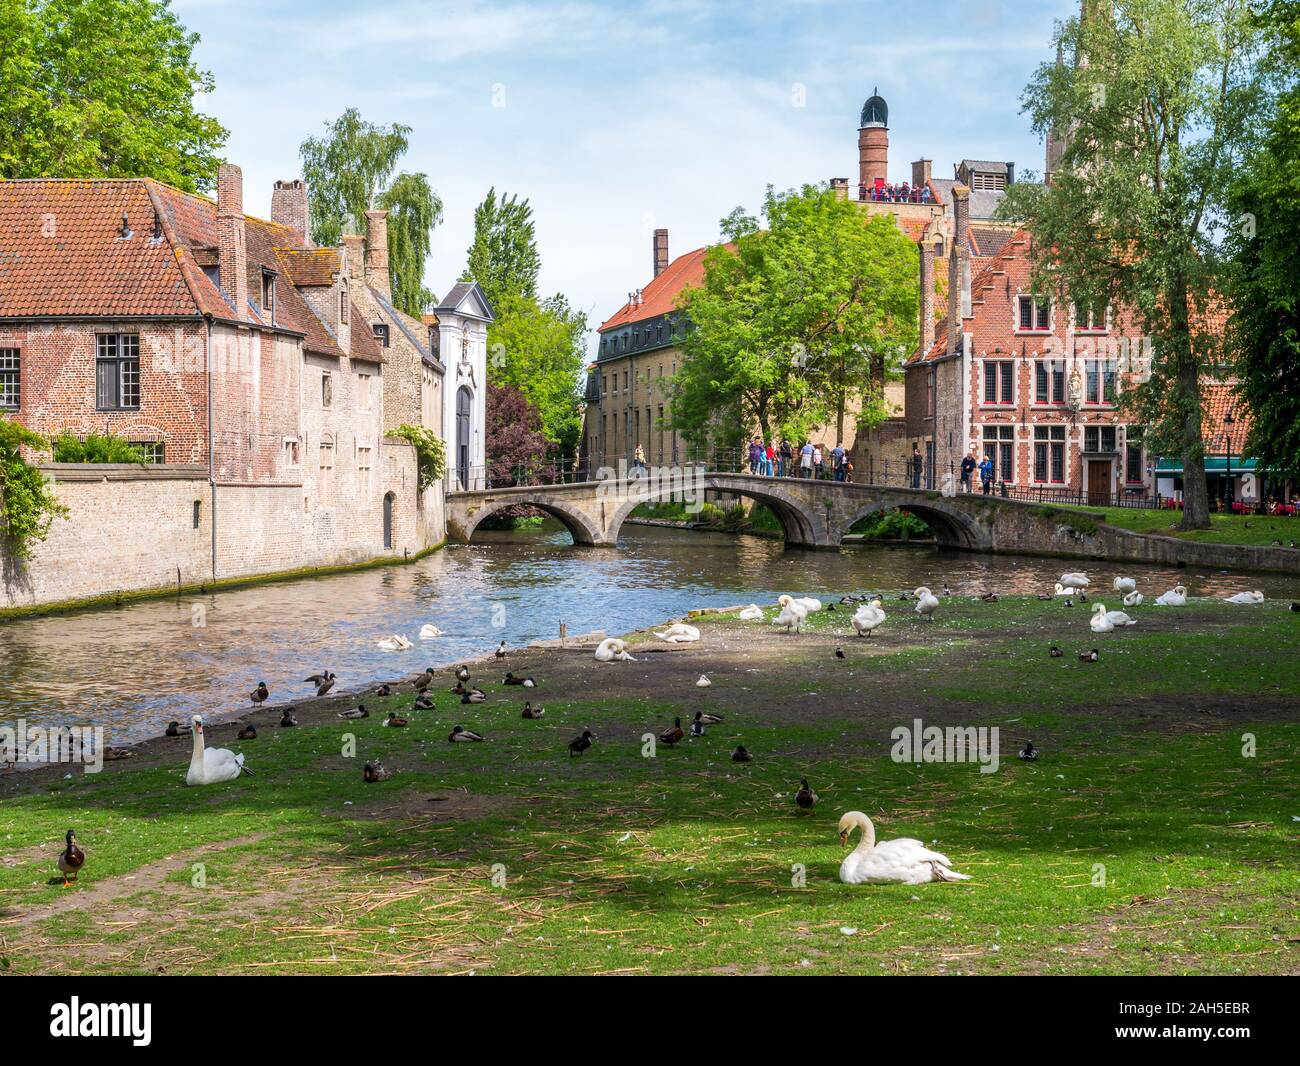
[1228,421]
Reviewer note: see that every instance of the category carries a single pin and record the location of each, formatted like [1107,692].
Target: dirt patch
[453,805]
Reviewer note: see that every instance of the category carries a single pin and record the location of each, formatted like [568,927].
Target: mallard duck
[260,694]
[358,711]
[697,727]
[459,734]
[473,695]
[1295,607]
[395,720]
[806,798]
[174,730]
[462,673]
[374,771]
[249,732]
[946,591]
[673,735]
[118,754]
[898,862]
[423,702]
[458,690]
[1089,656]
[501,650]
[287,720]
[325,684]
[990,597]
[71,858]
[741,754]
[830,607]
[1055,652]
[422,680]
[580,744]
[533,712]
[1029,753]
[526,682]
[839,653]
[382,691]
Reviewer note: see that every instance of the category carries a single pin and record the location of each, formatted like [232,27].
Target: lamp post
[1228,421]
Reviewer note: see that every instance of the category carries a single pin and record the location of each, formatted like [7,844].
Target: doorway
[1098,482]
[388,521]
[464,405]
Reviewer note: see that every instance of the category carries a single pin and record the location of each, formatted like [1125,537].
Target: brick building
[255,368]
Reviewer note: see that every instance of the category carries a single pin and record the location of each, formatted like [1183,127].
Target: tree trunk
[1196,497]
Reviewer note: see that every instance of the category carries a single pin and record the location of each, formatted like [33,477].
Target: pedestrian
[638,460]
[769,467]
[817,462]
[806,459]
[968,465]
[917,464]
[848,470]
[753,456]
[837,460]
[785,455]
[986,474]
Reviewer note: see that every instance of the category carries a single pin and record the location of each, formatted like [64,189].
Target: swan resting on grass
[891,862]
[1125,584]
[809,603]
[1246,597]
[679,633]
[1175,597]
[752,613]
[1133,599]
[612,648]
[208,766]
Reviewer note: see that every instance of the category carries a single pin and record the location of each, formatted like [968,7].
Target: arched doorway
[464,406]
[388,521]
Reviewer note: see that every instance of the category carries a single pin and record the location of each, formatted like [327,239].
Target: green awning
[1216,464]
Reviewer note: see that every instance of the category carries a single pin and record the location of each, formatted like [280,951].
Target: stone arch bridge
[813,514]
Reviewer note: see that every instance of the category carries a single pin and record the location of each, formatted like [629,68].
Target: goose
[474,695]
[174,730]
[396,642]
[1119,618]
[1089,656]
[679,633]
[532,712]
[359,711]
[697,727]
[1125,584]
[460,735]
[673,735]
[428,631]
[805,798]
[260,694]
[752,613]
[1246,597]
[211,765]
[1056,652]
[1029,753]
[708,718]
[423,702]
[1133,599]
[287,720]
[462,673]
[71,858]
[395,721]
[374,771]
[741,754]
[1175,597]
[868,618]
[926,603]
[580,744]
[703,682]
[891,862]
[612,648]
[1075,581]
[793,613]
[501,650]
[249,732]
[809,603]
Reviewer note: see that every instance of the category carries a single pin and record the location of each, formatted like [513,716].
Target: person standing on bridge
[837,460]
[917,464]
[968,465]
[806,459]
[818,463]
[986,474]
[784,456]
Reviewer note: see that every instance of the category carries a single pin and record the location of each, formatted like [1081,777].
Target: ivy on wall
[430,451]
[27,504]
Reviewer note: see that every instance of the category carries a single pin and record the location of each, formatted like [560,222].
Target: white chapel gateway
[463,319]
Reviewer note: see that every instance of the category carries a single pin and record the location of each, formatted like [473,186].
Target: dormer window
[380,330]
[268,292]
[343,301]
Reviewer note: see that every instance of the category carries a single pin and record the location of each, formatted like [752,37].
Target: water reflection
[135,668]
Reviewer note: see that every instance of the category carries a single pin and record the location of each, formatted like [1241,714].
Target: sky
[614,118]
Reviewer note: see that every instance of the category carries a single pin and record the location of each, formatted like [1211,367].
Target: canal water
[135,668]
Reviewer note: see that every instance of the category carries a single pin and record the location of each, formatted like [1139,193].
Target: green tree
[103,88]
[503,258]
[27,504]
[1159,100]
[1266,293]
[348,172]
[795,320]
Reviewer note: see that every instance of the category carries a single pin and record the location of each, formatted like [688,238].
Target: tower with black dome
[873,142]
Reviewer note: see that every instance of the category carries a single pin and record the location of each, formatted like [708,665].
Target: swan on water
[612,648]
[211,765]
[752,613]
[792,613]
[1175,597]
[1133,599]
[429,631]
[1125,584]
[396,642]
[679,633]
[926,602]
[868,618]
[1246,597]
[891,862]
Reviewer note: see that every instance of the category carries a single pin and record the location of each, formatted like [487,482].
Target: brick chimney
[232,254]
[840,187]
[958,266]
[661,251]
[921,172]
[927,293]
[354,251]
[289,205]
[376,273]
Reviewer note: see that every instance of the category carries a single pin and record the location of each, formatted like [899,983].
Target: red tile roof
[311,266]
[1217,399]
[660,295]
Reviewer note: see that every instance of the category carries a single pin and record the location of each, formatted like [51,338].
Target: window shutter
[106,383]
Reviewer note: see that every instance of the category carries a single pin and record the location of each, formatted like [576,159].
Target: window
[198,513]
[152,450]
[117,371]
[363,471]
[1034,315]
[363,392]
[268,292]
[999,445]
[659,333]
[1133,456]
[380,330]
[343,300]
[10,379]
[325,488]
[929,394]
[1049,455]
[1049,382]
[326,389]
[1100,386]
[999,384]
[1090,318]
[1099,438]
[291,451]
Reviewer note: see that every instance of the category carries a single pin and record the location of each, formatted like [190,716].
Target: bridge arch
[953,527]
[573,518]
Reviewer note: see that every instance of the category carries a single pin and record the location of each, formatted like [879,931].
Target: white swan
[1119,618]
[679,633]
[1175,597]
[1125,584]
[752,613]
[703,682]
[1061,590]
[612,648]
[1133,599]
[868,618]
[396,642]
[809,603]
[1099,621]
[792,614]
[429,631]
[1246,597]
[210,765]
[891,862]
[1074,581]
[926,603]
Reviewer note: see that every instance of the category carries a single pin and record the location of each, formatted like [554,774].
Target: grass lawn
[1224,528]
[1142,841]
